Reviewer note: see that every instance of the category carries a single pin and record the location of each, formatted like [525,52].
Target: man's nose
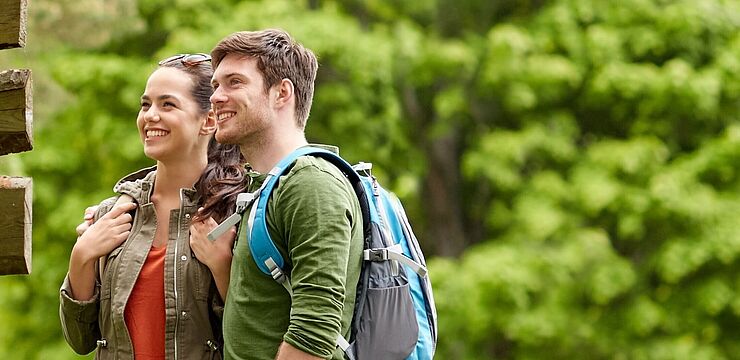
[218,96]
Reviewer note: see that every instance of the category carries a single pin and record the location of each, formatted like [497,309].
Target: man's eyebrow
[229,75]
[215,82]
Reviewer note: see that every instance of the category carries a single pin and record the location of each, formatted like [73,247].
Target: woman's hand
[87,220]
[214,254]
[96,240]
[106,234]
[211,253]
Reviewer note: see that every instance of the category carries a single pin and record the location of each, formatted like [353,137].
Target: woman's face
[169,119]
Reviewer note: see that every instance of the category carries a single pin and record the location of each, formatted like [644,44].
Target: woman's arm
[99,239]
[79,320]
[78,303]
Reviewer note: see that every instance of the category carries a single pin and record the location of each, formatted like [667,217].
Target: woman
[136,286]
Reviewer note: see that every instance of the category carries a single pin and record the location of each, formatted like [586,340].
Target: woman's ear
[209,126]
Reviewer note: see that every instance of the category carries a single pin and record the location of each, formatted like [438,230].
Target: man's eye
[145,105]
[168,104]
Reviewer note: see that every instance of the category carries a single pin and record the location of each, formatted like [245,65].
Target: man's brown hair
[278,57]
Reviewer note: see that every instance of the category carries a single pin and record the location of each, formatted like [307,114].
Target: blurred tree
[589,150]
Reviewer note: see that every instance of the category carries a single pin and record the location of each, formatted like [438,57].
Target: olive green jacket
[193,308]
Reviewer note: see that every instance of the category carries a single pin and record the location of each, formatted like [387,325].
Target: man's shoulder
[315,178]
[311,168]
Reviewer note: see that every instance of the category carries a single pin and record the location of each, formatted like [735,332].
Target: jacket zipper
[177,312]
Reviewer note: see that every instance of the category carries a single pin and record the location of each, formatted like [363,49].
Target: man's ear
[285,93]
[209,126]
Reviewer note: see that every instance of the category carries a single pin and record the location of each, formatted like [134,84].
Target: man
[263,89]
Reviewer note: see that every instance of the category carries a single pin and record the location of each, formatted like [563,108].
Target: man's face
[239,101]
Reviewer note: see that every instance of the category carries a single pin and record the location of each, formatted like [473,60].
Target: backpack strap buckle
[382,254]
[363,166]
[375,254]
[394,253]
[279,275]
[242,201]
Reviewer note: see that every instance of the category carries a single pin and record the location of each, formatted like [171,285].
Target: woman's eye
[168,104]
[145,105]
[235,82]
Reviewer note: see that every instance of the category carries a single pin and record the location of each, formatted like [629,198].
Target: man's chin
[225,138]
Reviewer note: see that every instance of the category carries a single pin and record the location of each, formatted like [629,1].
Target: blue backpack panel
[394,315]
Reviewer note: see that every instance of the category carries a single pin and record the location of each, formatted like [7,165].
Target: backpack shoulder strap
[263,250]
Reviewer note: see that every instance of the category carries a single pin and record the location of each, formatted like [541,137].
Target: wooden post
[12,23]
[15,111]
[15,136]
[15,225]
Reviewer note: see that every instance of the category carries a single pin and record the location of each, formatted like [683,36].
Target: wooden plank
[15,225]
[13,16]
[16,115]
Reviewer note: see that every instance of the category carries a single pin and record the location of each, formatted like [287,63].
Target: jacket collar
[140,184]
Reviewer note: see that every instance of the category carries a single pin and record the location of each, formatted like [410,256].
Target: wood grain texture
[13,16]
[16,113]
[15,225]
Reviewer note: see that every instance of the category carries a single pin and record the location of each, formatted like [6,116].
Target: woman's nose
[151,115]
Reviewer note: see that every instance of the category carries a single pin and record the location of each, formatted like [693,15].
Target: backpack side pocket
[388,329]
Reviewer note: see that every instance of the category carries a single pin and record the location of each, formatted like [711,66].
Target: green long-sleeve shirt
[315,221]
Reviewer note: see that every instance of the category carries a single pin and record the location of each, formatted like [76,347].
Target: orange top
[144,312]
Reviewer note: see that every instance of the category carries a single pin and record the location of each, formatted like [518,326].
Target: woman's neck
[171,177]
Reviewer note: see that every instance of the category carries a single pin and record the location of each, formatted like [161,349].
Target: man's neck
[264,155]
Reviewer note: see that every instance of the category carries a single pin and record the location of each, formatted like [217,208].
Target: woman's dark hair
[224,177]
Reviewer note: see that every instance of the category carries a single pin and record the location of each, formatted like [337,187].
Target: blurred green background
[571,166]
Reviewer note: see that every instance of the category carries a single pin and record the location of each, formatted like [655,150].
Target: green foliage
[642,150]
[596,147]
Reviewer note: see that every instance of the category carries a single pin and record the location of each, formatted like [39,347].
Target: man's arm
[288,352]
[316,221]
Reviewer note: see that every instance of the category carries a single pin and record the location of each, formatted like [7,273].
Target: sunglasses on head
[187,59]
